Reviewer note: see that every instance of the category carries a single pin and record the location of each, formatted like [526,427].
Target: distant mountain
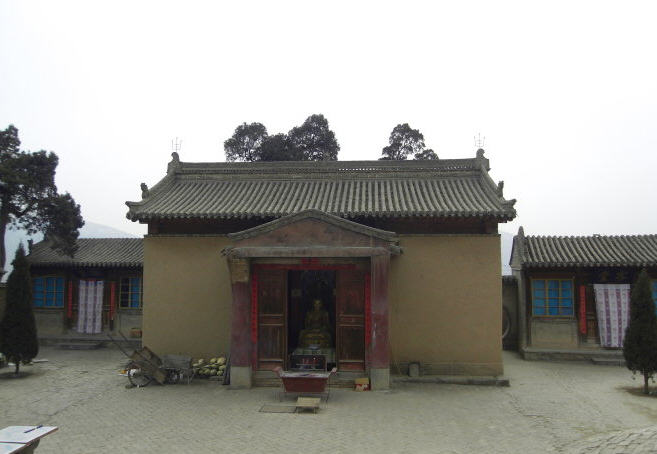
[90,230]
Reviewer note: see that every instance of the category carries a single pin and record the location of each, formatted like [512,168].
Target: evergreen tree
[18,336]
[405,141]
[640,343]
[277,148]
[426,155]
[29,198]
[314,140]
[244,145]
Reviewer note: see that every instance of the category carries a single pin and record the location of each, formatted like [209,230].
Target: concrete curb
[453,380]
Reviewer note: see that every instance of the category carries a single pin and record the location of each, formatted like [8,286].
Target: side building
[573,292]
[97,291]
[371,265]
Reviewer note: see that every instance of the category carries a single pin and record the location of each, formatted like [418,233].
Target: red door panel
[350,308]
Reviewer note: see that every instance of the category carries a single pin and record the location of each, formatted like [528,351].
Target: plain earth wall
[3,299]
[187,296]
[445,298]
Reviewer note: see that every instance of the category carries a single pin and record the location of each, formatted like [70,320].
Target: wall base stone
[379,379]
[241,377]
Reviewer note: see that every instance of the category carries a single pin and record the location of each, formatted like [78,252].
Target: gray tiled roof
[350,189]
[586,251]
[92,252]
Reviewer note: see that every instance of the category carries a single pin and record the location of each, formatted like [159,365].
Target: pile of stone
[214,367]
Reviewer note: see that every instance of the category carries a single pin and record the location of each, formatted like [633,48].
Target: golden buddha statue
[317,328]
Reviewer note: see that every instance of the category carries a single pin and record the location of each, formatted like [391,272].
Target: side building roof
[583,251]
[349,189]
[92,252]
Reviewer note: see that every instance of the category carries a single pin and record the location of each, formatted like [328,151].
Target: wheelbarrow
[145,366]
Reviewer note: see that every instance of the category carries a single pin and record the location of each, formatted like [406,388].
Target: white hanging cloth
[90,304]
[612,303]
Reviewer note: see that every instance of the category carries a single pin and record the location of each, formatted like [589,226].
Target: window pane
[539,284]
[567,302]
[553,284]
[539,293]
[59,300]
[50,282]
[566,311]
[134,300]
[49,299]
[539,302]
[553,302]
[553,293]
[554,310]
[539,310]
[60,284]
[566,285]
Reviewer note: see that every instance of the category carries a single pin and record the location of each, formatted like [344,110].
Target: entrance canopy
[312,233]
[310,239]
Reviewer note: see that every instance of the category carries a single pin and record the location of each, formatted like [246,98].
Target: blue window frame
[130,294]
[48,291]
[553,297]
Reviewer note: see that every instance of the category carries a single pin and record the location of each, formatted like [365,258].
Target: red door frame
[307,264]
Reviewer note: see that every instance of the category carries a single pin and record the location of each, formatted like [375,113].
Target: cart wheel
[172,377]
[138,378]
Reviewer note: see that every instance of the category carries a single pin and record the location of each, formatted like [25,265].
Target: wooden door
[350,320]
[272,305]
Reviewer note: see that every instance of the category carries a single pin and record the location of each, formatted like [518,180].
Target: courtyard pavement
[549,407]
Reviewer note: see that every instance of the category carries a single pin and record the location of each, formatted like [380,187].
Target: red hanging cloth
[582,309]
[69,301]
[368,310]
[254,307]
[112,308]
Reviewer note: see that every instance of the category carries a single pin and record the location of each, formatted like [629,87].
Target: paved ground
[550,407]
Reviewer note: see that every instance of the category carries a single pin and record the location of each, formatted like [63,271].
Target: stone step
[89,345]
[275,383]
[609,361]
[341,380]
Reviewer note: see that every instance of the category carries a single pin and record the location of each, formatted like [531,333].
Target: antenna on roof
[479,141]
[176,144]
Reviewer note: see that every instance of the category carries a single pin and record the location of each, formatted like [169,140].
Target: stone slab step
[275,382]
[453,380]
[609,361]
[79,345]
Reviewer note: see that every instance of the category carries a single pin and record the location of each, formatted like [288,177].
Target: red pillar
[379,347]
[240,334]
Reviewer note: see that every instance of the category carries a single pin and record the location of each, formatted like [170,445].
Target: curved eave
[588,264]
[501,216]
[89,264]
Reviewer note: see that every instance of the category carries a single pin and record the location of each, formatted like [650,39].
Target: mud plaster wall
[445,297]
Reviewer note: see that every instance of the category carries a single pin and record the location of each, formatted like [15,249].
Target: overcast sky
[564,92]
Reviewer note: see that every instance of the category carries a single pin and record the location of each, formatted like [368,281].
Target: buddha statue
[317,328]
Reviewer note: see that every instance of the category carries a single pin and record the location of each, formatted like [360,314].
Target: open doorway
[311,327]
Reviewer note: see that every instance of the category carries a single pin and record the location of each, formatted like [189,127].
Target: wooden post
[240,338]
[379,347]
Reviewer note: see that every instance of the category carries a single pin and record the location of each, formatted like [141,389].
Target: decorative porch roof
[92,252]
[312,233]
[349,189]
[584,251]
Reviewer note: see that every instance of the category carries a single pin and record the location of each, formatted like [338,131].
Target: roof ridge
[633,235]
